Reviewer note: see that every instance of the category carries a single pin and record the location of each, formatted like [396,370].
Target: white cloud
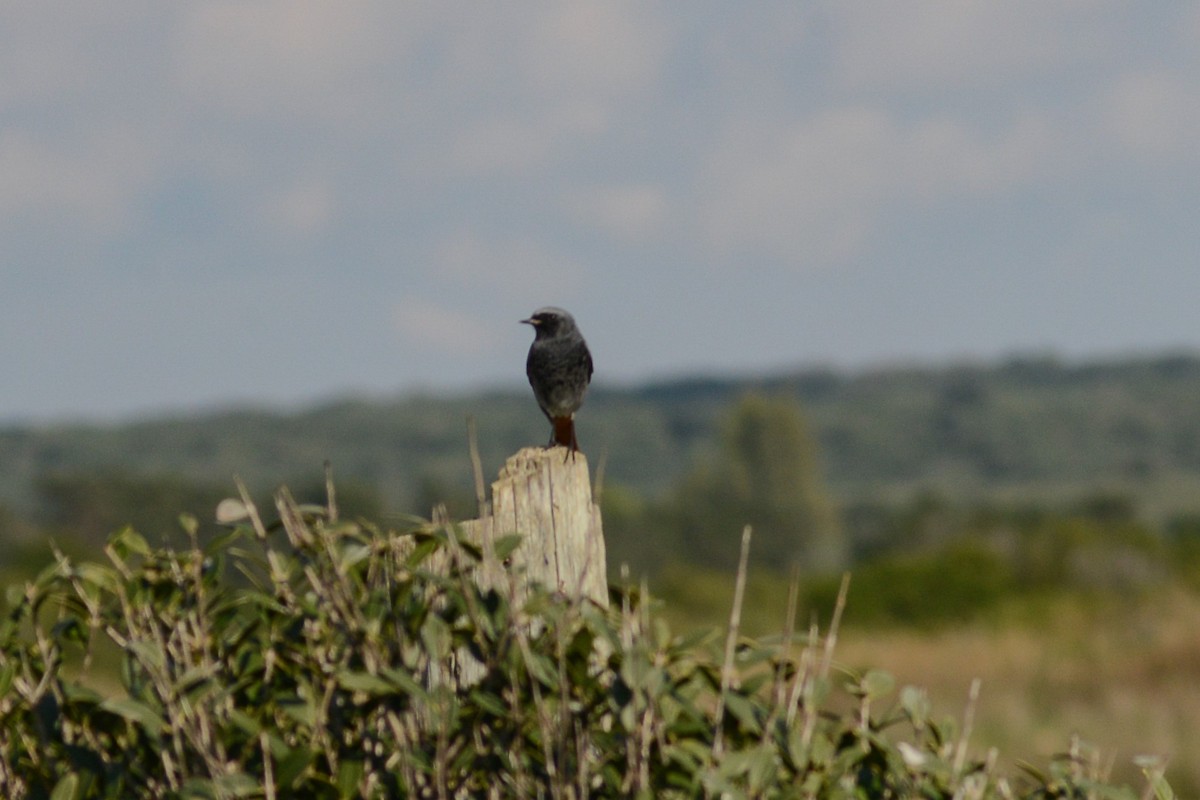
[438,329]
[1155,113]
[509,268]
[87,184]
[535,85]
[304,57]
[82,56]
[809,191]
[304,208]
[942,158]
[933,44]
[593,49]
[799,190]
[630,212]
[520,143]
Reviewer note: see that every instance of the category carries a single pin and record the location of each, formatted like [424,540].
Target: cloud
[1154,113]
[442,330]
[516,143]
[304,208]
[509,268]
[810,191]
[543,82]
[295,57]
[930,45]
[604,50]
[629,212]
[98,54]
[594,155]
[85,185]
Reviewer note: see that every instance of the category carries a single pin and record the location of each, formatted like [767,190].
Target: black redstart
[559,369]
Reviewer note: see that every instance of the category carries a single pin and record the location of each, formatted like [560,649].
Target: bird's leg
[564,434]
[574,448]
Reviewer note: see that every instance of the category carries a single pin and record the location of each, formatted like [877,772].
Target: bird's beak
[531,321]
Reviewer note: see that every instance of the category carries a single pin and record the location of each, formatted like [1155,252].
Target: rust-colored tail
[564,433]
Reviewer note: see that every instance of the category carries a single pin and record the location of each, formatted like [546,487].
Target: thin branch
[477,468]
[735,620]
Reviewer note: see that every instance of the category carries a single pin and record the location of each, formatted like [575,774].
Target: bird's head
[549,322]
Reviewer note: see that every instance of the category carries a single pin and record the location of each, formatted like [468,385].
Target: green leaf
[300,710]
[489,702]
[147,653]
[877,684]
[1152,768]
[354,553]
[819,691]
[220,543]
[696,639]
[99,576]
[126,541]
[543,669]
[68,788]
[311,510]
[291,765]
[237,784]
[403,681]
[14,594]
[246,723]
[364,682]
[741,707]
[752,684]
[136,712]
[195,678]
[350,772]
[916,705]
[198,789]
[78,693]
[425,547]
[7,672]
[45,579]
[436,636]
[189,523]
[505,546]
[757,764]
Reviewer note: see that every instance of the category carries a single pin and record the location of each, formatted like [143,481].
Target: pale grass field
[1123,677]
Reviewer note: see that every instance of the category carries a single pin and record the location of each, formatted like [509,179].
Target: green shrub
[954,584]
[324,672]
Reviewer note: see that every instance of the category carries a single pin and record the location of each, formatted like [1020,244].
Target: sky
[279,202]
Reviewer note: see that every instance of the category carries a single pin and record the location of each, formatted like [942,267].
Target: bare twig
[960,754]
[330,493]
[598,482]
[260,530]
[835,625]
[789,628]
[735,620]
[477,469]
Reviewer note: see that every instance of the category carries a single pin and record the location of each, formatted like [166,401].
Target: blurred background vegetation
[1032,523]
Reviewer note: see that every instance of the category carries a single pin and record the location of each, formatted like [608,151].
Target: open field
[1121,673]
[1126,680]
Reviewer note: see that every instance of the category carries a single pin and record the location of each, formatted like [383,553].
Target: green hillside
[1032,522]
[1019,426]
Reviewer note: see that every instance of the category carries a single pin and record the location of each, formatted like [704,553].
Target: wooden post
[545,495]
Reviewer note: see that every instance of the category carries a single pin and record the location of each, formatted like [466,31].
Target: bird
[559,368]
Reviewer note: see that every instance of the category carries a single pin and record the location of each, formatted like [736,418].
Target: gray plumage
[559,368]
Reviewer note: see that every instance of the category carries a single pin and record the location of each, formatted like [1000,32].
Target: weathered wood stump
[546,497]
